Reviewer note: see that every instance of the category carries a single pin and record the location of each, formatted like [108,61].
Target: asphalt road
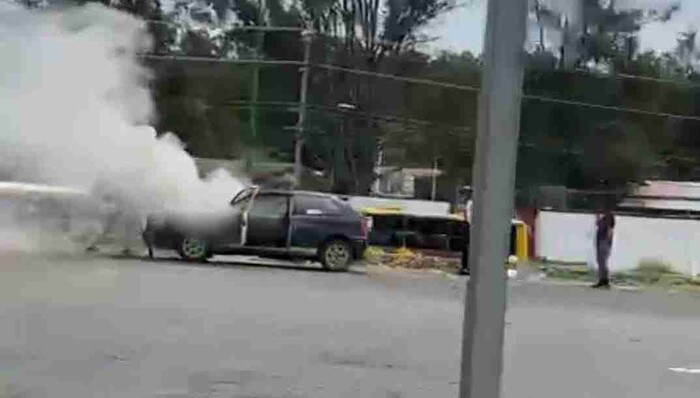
[98,327]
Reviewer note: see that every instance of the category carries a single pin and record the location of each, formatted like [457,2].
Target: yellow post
[521,241]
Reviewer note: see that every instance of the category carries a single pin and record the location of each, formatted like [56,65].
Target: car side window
[314,205]
[269,206]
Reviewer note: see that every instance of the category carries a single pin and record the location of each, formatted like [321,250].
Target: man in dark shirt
[465,248]
[605,226]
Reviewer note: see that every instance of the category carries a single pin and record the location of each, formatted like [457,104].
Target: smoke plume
[75,109]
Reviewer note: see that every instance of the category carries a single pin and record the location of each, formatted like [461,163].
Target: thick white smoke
[75,107]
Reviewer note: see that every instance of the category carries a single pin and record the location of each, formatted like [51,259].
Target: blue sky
[462,29]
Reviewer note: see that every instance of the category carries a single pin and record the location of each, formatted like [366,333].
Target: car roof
[298,193]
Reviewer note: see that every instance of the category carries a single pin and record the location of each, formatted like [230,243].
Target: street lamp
[343,107]
[307,38]
[346,106]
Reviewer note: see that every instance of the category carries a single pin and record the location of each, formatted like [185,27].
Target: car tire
[192,249]
[336,255]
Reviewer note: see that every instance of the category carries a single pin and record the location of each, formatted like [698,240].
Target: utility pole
[494,180]
[306,37]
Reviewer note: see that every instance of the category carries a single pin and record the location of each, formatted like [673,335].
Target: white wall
[570,237]
[565,236]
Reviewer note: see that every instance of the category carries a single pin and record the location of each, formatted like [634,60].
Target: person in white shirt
[468,211]
[466,232]
[120,219]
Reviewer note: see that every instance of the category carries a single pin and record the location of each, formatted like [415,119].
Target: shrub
[652,271]
[374,255]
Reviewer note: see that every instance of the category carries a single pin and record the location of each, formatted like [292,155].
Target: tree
[451,115]
[373,35]
[582,67]
[573,58]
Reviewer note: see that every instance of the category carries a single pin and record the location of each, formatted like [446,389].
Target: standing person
[131,228]
[605,227]
[120,221]
[465,248]
[110,215]
[468,205]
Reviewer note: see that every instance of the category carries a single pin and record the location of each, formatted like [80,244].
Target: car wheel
[336,255]
[192,249]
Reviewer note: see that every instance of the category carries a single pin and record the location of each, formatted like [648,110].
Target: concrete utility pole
[494,180]
[307,37]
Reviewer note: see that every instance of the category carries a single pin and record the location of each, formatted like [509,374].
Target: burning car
[267,223]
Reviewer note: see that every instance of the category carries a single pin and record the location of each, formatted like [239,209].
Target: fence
[569,237]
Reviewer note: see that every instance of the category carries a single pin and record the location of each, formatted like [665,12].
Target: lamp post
[307,38]
[344,108]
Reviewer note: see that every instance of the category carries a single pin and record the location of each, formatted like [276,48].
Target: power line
[455,128]
[292,106]
[396,77]
[623,76]
[627,76]
[427,82]
[190,58]
[610,107]
[525,96]
[295,29]
[389,118]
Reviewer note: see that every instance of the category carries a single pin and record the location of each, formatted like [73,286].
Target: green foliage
[577,146]
[209,104]
[581,273]
[649,273]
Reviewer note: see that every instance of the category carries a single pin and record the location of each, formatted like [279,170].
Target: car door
[232,228]
[312,220]
[268,221]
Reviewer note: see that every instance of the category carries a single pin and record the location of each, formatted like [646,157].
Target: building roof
[407,206]
[665,195]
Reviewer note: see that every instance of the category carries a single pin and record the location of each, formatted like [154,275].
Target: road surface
[99,327]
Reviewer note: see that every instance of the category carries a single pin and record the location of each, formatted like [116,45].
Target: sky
[462,28]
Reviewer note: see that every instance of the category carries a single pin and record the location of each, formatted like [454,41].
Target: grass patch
[373,255]
[651,272]
[573,272]
[648,273]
